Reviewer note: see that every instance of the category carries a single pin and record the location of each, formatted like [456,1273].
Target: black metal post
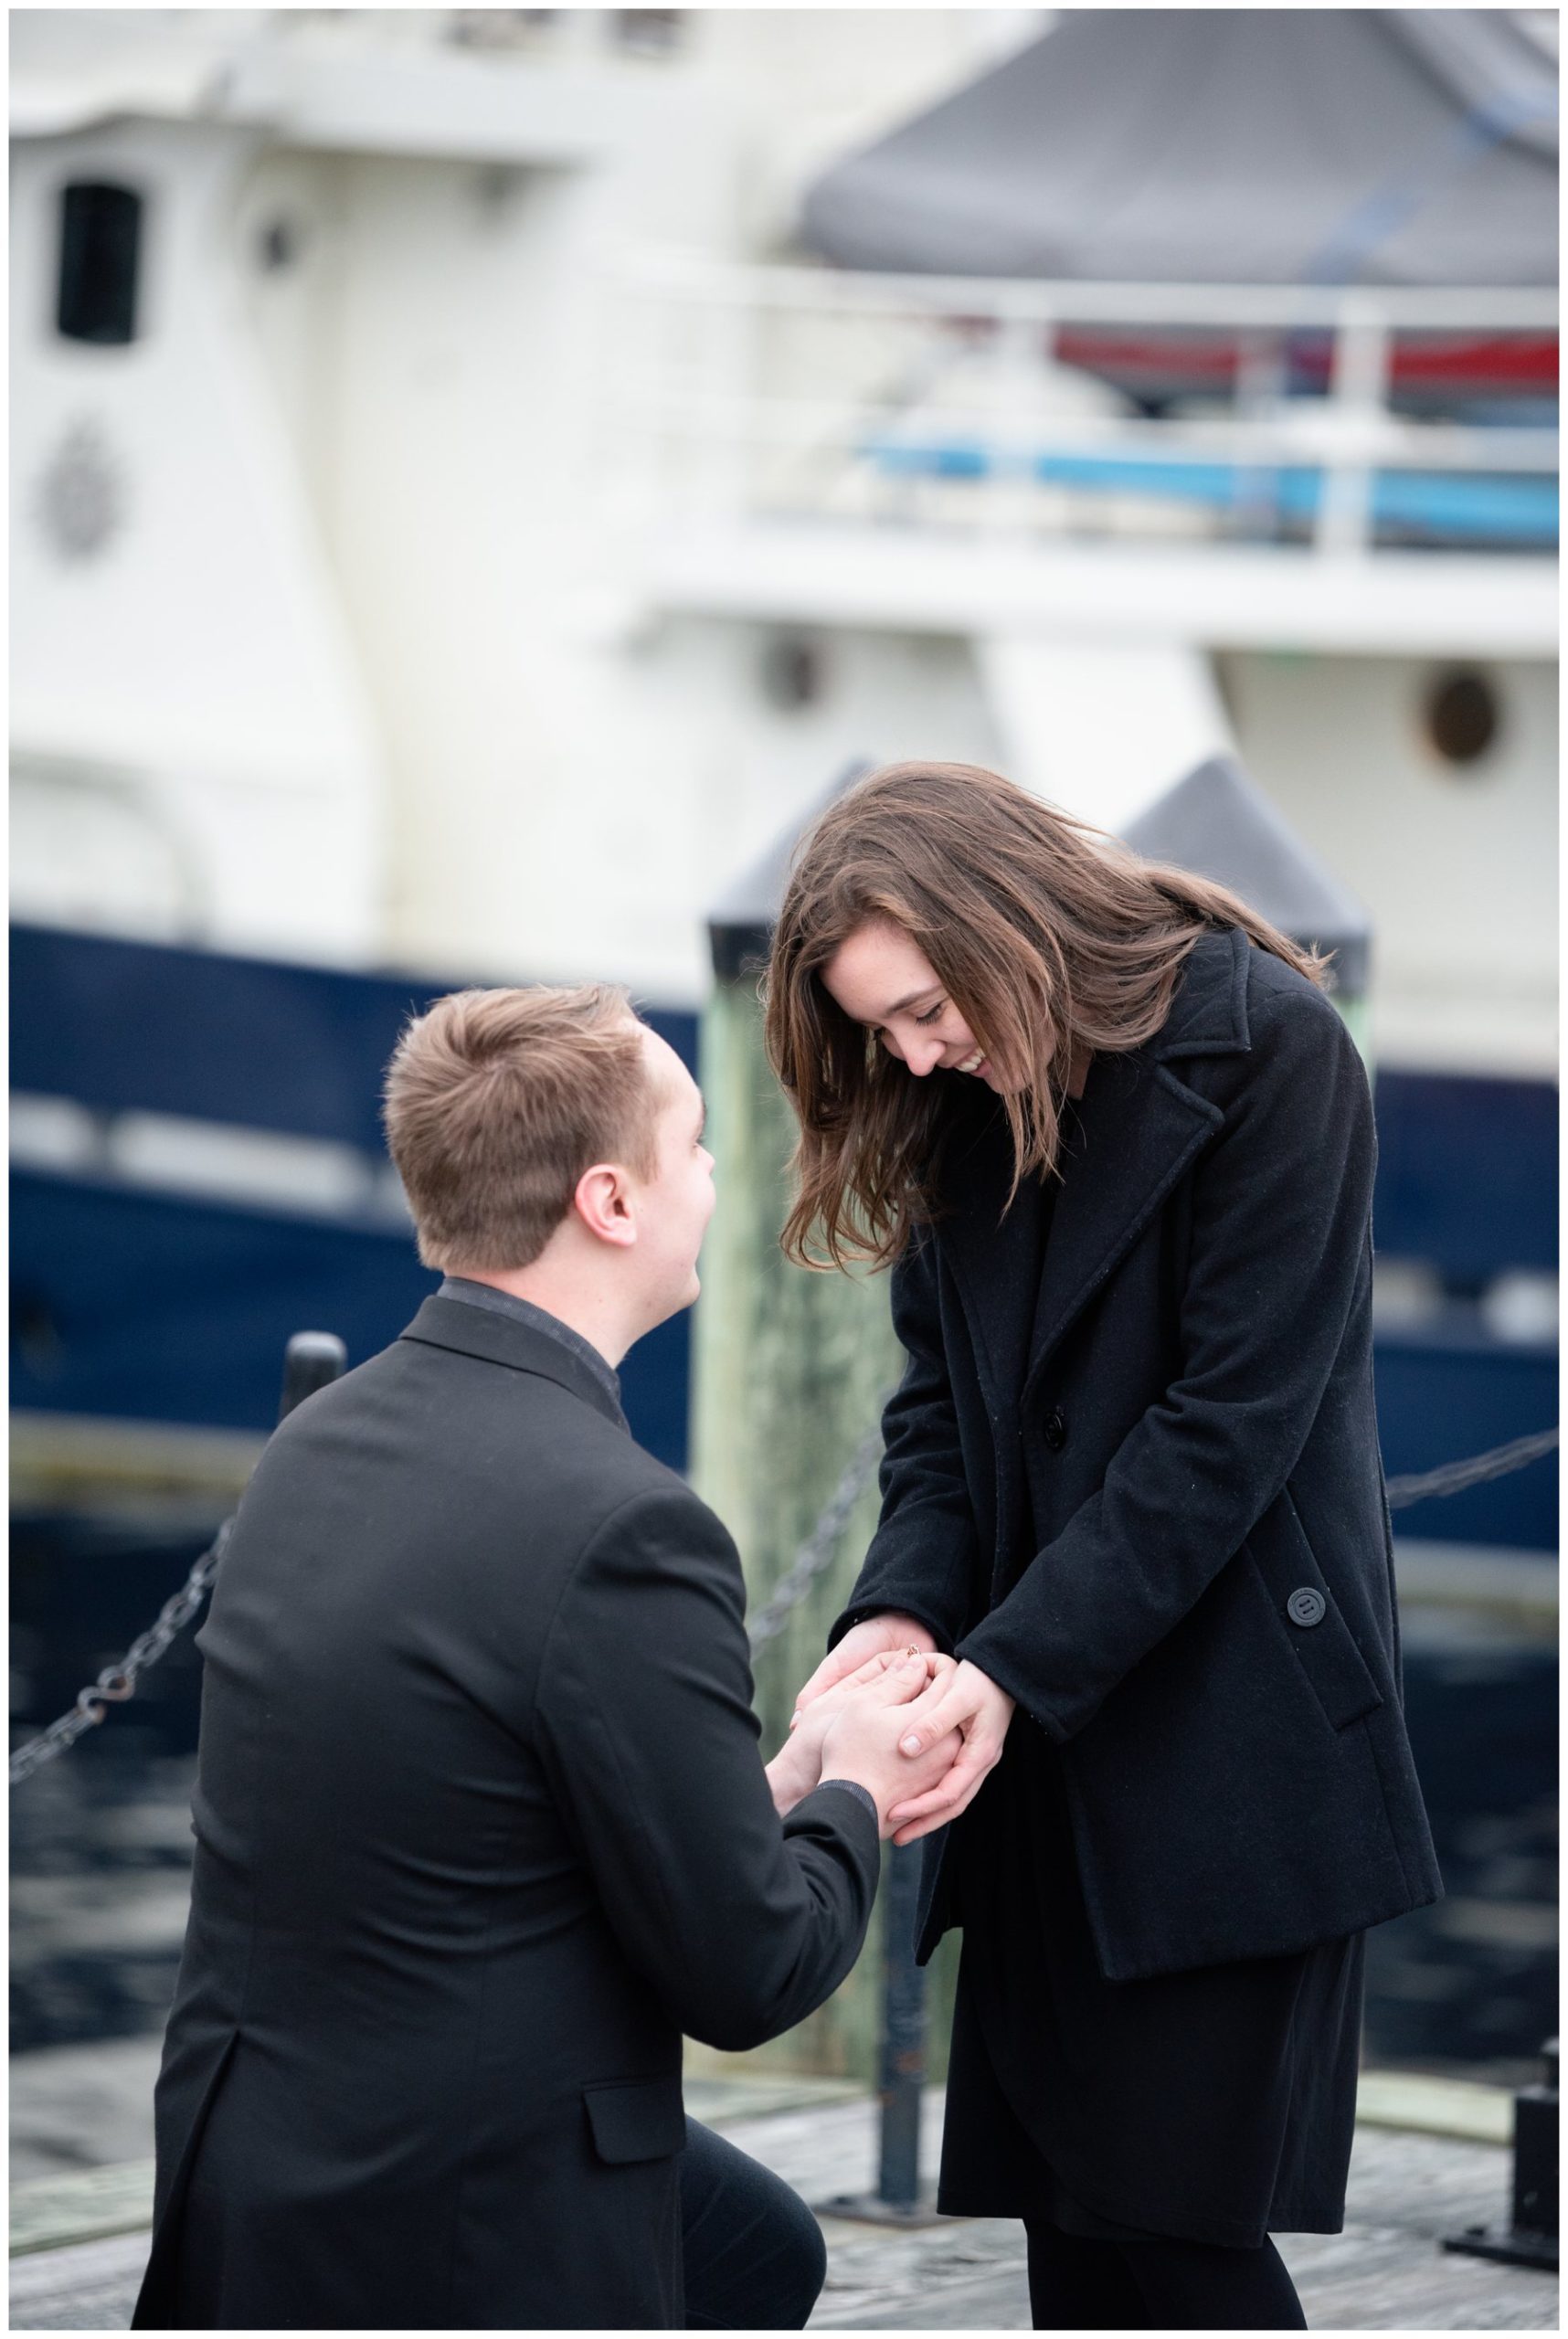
[903,2073]
[1530,2238]
[901,2067]
[310,1361]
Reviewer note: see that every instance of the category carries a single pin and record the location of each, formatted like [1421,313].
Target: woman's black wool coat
[1207,1629]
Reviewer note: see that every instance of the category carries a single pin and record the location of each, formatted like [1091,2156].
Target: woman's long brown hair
[1051,939]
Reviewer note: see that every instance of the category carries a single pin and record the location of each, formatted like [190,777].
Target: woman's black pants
[1157,2285]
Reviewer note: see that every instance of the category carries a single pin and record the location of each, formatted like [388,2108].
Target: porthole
[1461,718]
[279,243]
[100,261]
[792,675]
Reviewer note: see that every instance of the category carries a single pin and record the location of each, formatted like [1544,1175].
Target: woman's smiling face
[883,979]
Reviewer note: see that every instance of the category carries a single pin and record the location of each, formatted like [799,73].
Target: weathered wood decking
[1385,2273]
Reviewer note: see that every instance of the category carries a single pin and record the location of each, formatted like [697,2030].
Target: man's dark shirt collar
[539,1320]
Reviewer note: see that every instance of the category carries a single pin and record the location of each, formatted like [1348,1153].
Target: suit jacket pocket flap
[1324,1645]
[636,2119]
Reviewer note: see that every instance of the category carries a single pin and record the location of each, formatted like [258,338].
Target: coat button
[1055,1430]
[1307,1606]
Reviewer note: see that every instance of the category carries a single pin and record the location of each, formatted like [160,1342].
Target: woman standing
[1118,1147]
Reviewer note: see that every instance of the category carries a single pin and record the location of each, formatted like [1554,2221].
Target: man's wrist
[788,1778]
[860,1792]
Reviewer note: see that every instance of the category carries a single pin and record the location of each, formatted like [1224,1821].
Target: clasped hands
[919,1731]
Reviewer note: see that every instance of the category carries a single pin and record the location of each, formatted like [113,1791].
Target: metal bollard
[902,2072]
[901,2065]
[1530,2238]
[310,1361]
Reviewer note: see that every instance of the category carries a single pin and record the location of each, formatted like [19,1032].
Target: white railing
[749,391]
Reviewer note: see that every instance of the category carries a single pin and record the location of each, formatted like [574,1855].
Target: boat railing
[1340,418]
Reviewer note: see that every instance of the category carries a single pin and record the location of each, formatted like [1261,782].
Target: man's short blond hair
[497,1101]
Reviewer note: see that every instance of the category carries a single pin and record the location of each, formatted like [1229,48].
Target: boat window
[652,32]
[1461,717]
[279,244]
[101,246]
[792,675]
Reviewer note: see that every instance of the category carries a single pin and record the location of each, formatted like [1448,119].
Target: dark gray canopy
[1218,823]
[1252,145]
[1215,822]
[741,921]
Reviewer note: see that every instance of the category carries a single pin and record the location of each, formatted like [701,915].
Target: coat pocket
[636,2119]
[1309,1615]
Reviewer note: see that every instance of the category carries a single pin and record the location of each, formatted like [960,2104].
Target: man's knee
[756,2259]
[807,2262]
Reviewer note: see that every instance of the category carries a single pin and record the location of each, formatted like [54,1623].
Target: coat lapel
[1139,1126]
[991,1257]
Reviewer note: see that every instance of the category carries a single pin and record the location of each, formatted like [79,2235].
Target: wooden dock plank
[1385,2273]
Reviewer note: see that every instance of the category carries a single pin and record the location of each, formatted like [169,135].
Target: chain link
[118,1682]
[1455,1476]
[823,1540]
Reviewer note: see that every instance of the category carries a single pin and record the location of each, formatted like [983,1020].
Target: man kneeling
[481,1825]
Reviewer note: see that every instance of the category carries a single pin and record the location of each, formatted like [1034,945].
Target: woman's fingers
[911,1834]
[952,1702]
[953,1790]
[974,1704]
[947,1704]
[944,1803]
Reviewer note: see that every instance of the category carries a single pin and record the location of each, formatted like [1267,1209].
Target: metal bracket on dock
[1530,2238]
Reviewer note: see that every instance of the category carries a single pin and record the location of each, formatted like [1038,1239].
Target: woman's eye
[931,1013]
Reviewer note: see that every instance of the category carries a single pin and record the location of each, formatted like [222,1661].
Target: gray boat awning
[1215,822]
[741,921]
[1218,823]
[1261,146]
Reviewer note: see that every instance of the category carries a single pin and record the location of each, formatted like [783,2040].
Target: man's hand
[863,1736]
[797,1767]
[966,1700]
[877,1636]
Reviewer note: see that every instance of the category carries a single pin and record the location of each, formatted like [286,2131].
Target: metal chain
[118,1682]
[819,1546]
[823,1542]
[1455,1476]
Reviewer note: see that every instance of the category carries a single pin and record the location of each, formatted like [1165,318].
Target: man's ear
[602,1201]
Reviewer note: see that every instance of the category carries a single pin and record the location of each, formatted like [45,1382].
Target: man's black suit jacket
[481,1827]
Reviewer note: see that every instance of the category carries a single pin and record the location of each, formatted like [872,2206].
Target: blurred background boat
[477,476]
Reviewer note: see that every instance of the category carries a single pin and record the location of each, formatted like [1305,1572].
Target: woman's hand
[877,1636]
[970,1701]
